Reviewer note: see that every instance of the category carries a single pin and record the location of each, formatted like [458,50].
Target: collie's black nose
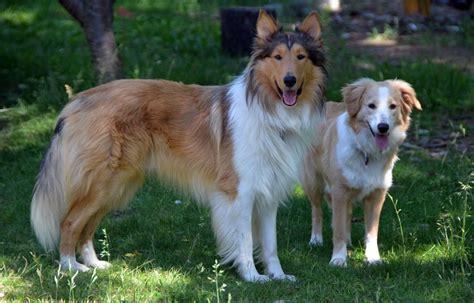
[289,80]
[383,128]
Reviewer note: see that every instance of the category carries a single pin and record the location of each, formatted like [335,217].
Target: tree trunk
[96,19]
[238,29]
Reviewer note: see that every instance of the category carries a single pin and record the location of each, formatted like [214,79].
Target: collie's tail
[49,201]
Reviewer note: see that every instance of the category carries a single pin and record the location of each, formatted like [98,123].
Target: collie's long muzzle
[289,96]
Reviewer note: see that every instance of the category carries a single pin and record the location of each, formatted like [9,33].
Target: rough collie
[355,158]
[237,148]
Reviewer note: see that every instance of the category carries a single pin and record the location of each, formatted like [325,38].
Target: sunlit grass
[17,16]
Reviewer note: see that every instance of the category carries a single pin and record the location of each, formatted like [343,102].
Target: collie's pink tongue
[381,141]
[289,97]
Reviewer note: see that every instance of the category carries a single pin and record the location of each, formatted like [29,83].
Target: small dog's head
[380,110]
[289,66]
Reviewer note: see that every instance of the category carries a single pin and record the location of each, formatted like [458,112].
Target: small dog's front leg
[372,208]
[340,214]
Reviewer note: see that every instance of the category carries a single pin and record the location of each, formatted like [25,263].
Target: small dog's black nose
[289,80]
[383,128]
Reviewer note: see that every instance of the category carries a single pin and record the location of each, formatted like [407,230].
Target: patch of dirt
[395,50]
[452,133]
[405,36]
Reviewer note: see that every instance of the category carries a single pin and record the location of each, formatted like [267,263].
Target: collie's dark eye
[300,57]
[278,57]
[372,106]
[393,106]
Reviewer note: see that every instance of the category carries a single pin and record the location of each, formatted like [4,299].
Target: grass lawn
[163,250]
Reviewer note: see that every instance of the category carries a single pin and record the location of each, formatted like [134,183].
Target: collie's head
[287,68]
[380,111]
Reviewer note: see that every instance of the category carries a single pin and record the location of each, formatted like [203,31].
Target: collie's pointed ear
[311,26]
[408,93]
[266,26]
[353,94]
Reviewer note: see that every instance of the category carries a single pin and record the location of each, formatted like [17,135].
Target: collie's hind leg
[232,224]
[266,222]
[120,189]
[86,245]
[314,191]
[316,199]
[71,228]
[349,224]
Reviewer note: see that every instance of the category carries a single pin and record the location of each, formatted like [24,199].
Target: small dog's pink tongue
[289,97]
[381,142]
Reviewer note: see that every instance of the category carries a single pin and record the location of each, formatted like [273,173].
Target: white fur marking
[70,263]
[372,255]
[316,239]
[89,257]
[383,94]
[339,258]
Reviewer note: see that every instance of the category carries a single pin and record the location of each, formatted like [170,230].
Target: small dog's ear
[353,94]
[407,92]
[266,26]
[311,26]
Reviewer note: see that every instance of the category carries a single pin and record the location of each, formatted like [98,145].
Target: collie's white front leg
[266,222]
[232,223]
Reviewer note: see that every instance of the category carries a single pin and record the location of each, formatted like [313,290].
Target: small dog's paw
[316,240]
[283,277]
[373,262]
[339,262]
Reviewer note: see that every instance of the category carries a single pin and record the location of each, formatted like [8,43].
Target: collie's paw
[283,277]
[339,262]
[256,278]
[316,240]
[100,264]
[373,262]
[72,265]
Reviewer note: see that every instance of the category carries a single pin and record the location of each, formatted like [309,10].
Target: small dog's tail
[49,202]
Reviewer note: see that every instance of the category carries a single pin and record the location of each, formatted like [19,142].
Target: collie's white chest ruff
[268,148]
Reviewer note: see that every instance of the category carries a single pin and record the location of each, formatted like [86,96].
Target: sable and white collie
[238,148]
[355,158]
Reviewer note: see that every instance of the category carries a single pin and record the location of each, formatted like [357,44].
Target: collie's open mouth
[381,140]
[289,96]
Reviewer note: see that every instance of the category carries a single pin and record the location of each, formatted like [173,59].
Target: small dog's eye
[278,57]
[300,57]
[372,106]
[392,106]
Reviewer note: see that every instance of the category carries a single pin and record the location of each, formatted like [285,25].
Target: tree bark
[238,29]
[96,19]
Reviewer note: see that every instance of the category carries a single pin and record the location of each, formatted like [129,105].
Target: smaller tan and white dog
[355,158]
